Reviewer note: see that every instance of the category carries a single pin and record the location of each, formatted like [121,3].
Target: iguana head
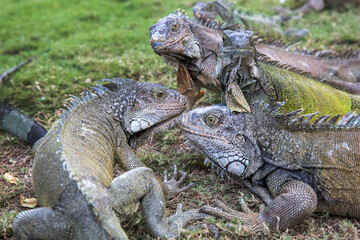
[144,108]
[173,37]
[223,138]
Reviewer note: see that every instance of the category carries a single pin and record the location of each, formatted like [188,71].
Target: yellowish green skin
[303,92]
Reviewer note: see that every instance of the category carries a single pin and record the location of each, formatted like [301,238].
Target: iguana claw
[173,187]
[249,218]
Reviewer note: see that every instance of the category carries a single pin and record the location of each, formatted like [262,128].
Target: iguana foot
[180,218]
[173,187]
[249,219]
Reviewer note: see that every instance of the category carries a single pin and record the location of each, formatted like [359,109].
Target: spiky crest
[198,19]
[98,92]
[267,60]
[323,54]
[292,120]
[72,103]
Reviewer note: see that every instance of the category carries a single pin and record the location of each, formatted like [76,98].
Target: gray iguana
[73,167]
[268,26]
[296,165]
[208,56]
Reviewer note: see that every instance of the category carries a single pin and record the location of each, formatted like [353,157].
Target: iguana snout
[211,131]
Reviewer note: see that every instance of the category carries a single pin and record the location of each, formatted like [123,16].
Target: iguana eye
[159,94]
[175,27]
[210,7]
[212,120]
[224,37]
[135,105]
[240,139]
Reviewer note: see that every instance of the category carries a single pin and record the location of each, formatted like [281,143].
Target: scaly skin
[192,48]
[296,166]
[233,63]
[73,166]
[272,82]
[334,70]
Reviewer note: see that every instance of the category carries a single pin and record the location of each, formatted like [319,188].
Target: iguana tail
[17,123]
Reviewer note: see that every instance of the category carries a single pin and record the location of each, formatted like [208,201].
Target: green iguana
[332,68]
[73,167]
[269,26]
[296,165]
[211,57]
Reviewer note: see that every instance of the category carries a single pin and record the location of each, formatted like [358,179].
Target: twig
[7,74]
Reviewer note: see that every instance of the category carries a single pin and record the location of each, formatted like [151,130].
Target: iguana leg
[295,200]
[128,160]
[140,185]
[42,223]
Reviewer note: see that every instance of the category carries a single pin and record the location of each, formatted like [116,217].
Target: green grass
[93,39]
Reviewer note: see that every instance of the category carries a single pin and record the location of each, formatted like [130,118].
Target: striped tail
[18,124]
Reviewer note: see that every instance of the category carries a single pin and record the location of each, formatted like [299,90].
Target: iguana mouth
[144,136]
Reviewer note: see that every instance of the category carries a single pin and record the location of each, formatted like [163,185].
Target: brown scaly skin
[73,166]
[192,48]
[296,166]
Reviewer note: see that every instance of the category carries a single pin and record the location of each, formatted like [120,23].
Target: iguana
[238,47]
[211,57]
[334,68]
[268,26]
[73,166]
[296,165]
[191,47]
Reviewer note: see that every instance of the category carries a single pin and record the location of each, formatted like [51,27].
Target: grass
[93,39]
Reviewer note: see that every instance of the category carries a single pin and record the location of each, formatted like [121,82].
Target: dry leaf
[10,178]
[28,202]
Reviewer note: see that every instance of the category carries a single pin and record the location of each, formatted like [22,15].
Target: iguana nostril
[155,44]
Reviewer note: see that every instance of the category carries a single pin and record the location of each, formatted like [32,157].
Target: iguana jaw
[217,147]
[142,137]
